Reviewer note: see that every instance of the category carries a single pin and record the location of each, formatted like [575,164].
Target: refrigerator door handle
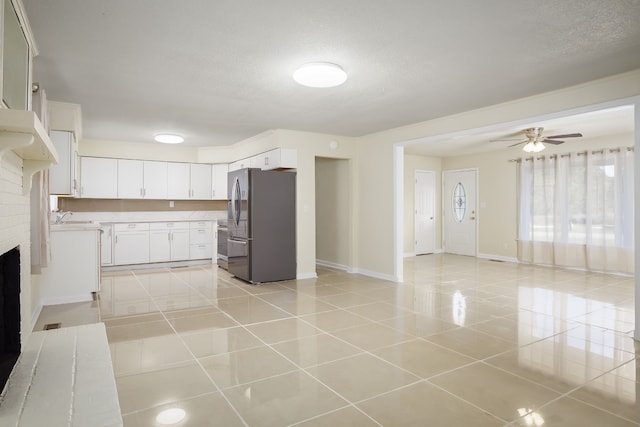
[237,202]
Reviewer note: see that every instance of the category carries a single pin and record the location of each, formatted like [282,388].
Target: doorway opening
[333,213]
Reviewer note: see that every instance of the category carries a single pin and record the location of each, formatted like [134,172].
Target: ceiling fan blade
[518,143]
[569,135]
[552,141]
[507,139]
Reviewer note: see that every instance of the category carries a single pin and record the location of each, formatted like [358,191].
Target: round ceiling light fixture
[168,138]
[320,74]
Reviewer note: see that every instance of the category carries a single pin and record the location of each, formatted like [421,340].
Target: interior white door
[424,221]
[459,212]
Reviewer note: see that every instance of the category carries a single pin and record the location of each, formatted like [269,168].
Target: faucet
[60,216]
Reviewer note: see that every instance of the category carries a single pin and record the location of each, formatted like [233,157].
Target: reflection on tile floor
[462,342]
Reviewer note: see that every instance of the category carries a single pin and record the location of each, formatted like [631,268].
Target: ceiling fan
[535,140]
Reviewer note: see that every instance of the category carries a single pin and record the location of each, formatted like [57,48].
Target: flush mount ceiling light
[168,138]
[320,74]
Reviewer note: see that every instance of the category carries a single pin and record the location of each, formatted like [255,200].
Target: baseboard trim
[412,254]
[362,271]
[172,264]
[303,276]
[377,275]
[334,265]
[498,258]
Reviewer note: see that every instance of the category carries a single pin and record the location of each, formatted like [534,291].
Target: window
[577,210]
[459,201]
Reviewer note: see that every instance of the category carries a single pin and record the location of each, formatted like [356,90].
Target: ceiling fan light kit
[533,146]
[535,140]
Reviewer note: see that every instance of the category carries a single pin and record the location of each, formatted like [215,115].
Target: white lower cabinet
[201,240]
[106,244]
[131,243]
[168,241]
[74,271]
[144,242]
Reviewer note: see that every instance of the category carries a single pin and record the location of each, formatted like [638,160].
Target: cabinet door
[179,245]
[131,247]
[178,180]
[239,164]
[130,179]
[159,245]
[200,181]
[62,175]
[155,180]
[98,178]
[106,245]
[219,185]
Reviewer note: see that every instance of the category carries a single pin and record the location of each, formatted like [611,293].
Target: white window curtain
[576,210]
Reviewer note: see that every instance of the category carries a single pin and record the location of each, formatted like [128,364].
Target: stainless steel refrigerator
[261,245]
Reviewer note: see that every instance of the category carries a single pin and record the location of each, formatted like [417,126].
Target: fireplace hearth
[9,313]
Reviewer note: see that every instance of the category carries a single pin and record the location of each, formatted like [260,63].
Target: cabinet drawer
[132,226]
[200,236]
[200,251]
[177,225]
[197,225]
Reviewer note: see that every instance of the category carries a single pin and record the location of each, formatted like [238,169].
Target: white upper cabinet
[200,181]
[240,164]
[63,178]
[108,178]
[130,179]
[189,181]
[139,179]
[155,180]
[178,181]
[219,182]
[279,158]
[98,178]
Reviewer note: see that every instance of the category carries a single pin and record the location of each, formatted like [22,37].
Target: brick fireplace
[9,312]
[14,246]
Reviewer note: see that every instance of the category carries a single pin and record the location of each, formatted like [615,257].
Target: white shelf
[22,132]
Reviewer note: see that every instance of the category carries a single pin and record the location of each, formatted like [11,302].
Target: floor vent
[496,260]
[49,326]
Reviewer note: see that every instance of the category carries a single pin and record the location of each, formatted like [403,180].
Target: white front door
[424,221]
[459,212]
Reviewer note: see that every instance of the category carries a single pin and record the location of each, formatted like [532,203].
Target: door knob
[431,218]
[472,218]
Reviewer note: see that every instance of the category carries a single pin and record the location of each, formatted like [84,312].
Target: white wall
[333,212]
[413,163]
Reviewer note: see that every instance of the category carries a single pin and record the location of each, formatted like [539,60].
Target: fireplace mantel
[22,132]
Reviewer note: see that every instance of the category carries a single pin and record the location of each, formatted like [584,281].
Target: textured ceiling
[220,71]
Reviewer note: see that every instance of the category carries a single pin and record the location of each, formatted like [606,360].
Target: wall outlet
[172,204]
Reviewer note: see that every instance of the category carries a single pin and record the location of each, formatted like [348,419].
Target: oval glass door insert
[459,201]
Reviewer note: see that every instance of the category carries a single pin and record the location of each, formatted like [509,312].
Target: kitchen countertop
[161,216]
[76,226]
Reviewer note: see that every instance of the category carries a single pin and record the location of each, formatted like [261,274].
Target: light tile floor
[462,342]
